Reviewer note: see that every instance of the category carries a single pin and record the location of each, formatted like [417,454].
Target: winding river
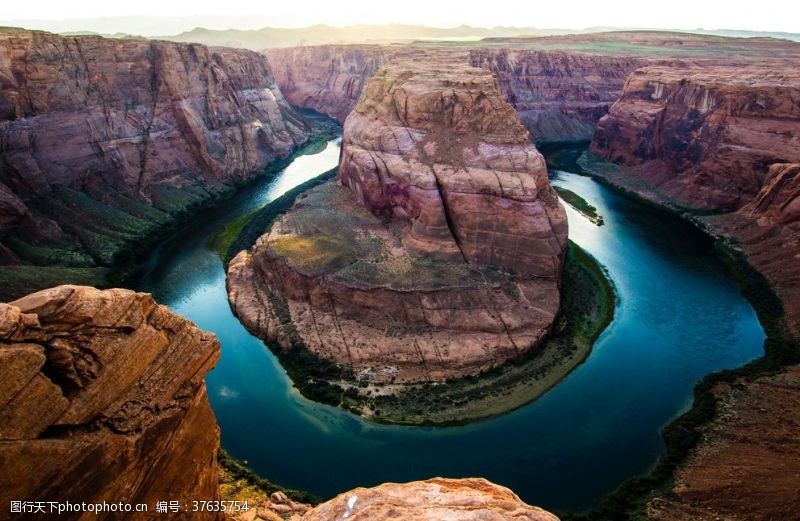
[679,318]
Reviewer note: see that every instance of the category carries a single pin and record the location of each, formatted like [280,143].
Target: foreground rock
[439,252]
[430,500]
[102,398]
[103,141]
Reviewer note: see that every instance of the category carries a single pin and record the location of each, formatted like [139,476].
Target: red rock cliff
[102,398]
[105,138]
[560,96]
[705,136]
[439,253]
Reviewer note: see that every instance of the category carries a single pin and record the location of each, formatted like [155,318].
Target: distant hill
[270,37]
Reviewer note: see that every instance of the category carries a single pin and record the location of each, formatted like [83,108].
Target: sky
[762,15]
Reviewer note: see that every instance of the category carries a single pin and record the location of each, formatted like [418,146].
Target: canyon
[436,254]
[104,142]
[102,399]
[560,85]
[721,145]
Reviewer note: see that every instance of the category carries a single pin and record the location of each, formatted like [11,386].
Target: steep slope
[103,141]
[705,136]
[438,253]
[102,399]
[725,140]
[560,96]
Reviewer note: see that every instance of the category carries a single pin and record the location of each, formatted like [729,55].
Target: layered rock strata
[102,399]
[705,136]
[103,140]
[723,140]
[438,253]
[559,95]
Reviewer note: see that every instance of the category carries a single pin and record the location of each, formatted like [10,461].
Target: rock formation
[560,85]
[705,136]
[438,254]
[559,95]
[726,140]
[102,398]
[430,500]
[103,140]
[721,139]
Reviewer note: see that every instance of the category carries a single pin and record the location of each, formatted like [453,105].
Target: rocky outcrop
[439,252]
[102,398]
[746,467]
[103,140]
[430,500]
[705,136]
[326,78]
[560,96]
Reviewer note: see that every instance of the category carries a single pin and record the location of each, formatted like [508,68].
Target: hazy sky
[763,15]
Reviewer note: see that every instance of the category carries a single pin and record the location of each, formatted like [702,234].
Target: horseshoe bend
[436,252]
[379,264]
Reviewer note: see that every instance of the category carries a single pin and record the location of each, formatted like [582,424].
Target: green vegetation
[580,204]
[20,280]
[253,225]
[238,482]
[106,236]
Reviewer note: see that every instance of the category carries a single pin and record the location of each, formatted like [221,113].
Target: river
[679,318]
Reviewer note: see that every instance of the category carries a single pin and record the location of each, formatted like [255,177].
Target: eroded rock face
[103,136]
[438,254]
[430,500]
[705,136]
[102,398]
[747,464]
[326,78]
[560,96]
[445,153]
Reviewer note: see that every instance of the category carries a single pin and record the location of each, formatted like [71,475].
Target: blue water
[679,318]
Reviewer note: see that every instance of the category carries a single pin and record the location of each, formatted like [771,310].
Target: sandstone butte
[102,399]
[436,254]
[103,140]
[726,141]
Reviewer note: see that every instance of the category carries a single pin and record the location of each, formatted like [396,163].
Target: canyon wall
[705,136]
[327,78]
[102,398]
[560,96]
[724,140]
[103,141]
[438,253]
